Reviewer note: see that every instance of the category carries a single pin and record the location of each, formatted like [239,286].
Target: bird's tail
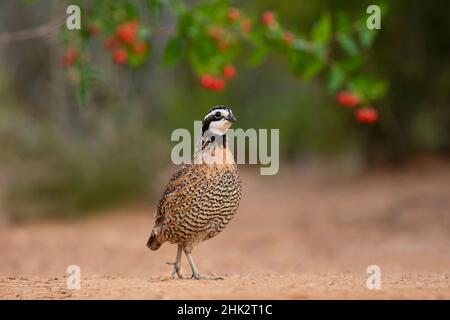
[153,242]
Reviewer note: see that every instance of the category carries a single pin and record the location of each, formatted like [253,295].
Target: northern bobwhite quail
[201,198]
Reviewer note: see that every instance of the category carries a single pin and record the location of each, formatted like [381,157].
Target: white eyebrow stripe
[223,111]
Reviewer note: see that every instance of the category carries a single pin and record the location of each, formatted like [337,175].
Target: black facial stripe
[207,121]
[205,125]
[221,107]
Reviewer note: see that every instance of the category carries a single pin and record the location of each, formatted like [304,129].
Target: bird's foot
[199,276]
[176,270]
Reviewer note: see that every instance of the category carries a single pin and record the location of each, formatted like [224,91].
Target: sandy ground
[308,232]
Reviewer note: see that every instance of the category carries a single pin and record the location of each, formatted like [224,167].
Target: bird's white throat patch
[219,127]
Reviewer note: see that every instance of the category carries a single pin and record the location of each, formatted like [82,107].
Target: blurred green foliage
[61,173]
[62,160]
[214,34]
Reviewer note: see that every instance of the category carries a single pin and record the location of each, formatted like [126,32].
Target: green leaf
[179,7]
[204,57]
[215,10]
[306,65]
[173,51]
[342,22]
[155,6]
[88,76]
[337,77]
[367,36]
[368,88]
[258,57]
[352,63]
[348,44]
[321,32]
[203,47]
[186,23]
[136,60]
[313,69]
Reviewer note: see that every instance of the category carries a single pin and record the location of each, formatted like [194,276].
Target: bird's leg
[195,274]
[177,264]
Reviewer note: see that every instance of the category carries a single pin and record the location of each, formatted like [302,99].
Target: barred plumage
[201,198]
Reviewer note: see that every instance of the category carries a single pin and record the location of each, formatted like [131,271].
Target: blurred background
[64,161]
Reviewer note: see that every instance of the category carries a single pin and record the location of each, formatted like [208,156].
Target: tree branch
[46,30]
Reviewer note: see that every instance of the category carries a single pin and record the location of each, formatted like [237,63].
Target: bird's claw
[199,276]
[176,270]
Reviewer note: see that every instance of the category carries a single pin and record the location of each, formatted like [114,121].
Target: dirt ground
[309,232]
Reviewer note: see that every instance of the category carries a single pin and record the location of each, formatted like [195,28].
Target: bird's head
[218,120]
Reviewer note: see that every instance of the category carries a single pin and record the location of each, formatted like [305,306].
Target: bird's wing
[180,189]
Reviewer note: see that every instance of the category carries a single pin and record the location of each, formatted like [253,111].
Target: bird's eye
[218,114]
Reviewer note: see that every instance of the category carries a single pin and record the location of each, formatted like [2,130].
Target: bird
[201,197]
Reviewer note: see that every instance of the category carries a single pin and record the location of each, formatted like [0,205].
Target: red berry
[212,83]
[120,56]
[111,43]
[367,115]
[348,99]
[216,33]
[234,14]
[246,25]
[268,18]
[288,37]
[127,32]
[229,71]
[219,84]
[140,47]
[206,80]
[70,57]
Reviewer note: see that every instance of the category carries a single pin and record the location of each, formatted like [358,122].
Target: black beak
[231,117]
